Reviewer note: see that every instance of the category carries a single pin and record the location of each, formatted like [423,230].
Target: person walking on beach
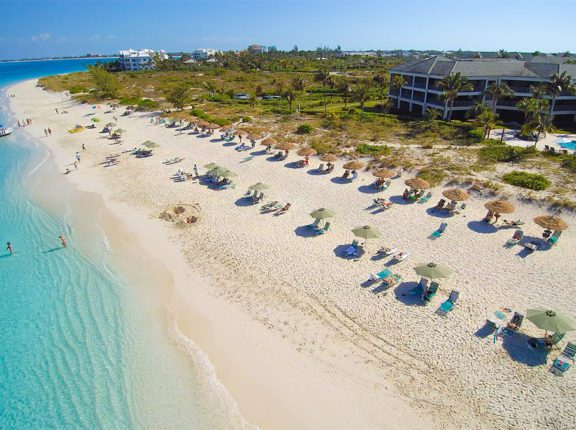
[83,147]
[49,131]
[63,241]
[56,109]
[45,132]
[196,170]
[9,248]
[78,156]
[19,124]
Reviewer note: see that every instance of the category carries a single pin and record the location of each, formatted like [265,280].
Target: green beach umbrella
[223,172]
[119,131]
[211,166]
[110,125]
[550,320]
[433,270]
[322,213]
[95,120]
[366,232]
[258,187]
[149,144]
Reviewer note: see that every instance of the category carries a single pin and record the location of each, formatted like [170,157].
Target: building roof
[536,67]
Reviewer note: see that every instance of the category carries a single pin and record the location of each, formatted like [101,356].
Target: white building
[139,60]
[204,53]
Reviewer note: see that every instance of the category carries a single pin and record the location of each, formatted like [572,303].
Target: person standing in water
[9,248]
[63,241]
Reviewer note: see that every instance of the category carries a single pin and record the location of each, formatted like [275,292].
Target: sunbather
[346,174]
[284,209]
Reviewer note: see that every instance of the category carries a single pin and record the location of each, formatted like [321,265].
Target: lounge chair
[391,280]
[514,324]
[323,229]
[440,230]
[530,246]
[271,207]
[401,256]
[516,238]
[321,168]
[387,250]
[352,249]
[284,209]
[431,292]
[440,204]
[424,199]
[562,363]
[380,275]
[459,209]
[448,305]
[554,238]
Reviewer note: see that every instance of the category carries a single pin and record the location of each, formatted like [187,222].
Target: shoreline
[280,375]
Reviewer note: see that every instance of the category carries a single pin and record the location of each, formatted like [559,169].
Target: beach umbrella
[212,126]
[417,183]
[110,124]
[353,165]
[253,137]
[328,158]
[366,232]
[285,146]
[433,270]
[500,207]
[384,173]
[551,222]
[322,213]
[550,320]
[211,166]
[306,152]
[149,144]
[119,131]
[456,194]
[269,141]
[258,187]
[242,133]
[223,172]
[95,120]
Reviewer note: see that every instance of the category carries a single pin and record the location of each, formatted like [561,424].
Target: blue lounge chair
[516,238]
[431,292]
[424,199]
[440,230]
[562,363]
[380,275]
[323,229]
[552,240]
[352,250]
[448,305]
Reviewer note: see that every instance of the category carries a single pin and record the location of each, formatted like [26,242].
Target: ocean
[81,346]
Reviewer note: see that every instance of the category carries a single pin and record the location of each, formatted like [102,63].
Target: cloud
[41,37]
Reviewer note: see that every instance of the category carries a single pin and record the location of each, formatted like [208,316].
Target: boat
[5,131]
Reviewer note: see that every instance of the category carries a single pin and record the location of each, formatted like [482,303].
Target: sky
[55,28]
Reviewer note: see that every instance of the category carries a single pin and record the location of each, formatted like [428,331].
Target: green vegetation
[106,84]
[374,150]
[304,129]
[570,163]
[495,151]
[433,176]
[178,95]
[532,181]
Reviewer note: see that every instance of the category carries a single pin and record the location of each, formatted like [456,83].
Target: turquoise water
[80,347]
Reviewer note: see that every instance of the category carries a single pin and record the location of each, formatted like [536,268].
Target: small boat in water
[5,131]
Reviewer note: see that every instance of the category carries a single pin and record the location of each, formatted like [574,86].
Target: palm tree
[451,85]
[498,90]
[487,120]
[323,76]
[432,114]
[381,80]
[558,84]
[538,91]
[345,89]
[291,95]
[398,81]
[539,125]
[531,106]
[362,94]
[299,83]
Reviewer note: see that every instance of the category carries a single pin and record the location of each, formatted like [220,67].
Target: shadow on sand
[340,251]
[305,231]
[482,227]
[368,189]
[438,213]
[409,293]
[516,345]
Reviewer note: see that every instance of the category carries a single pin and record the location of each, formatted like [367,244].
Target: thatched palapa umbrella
[353,165]
[269,142]
[551,222]
[456,194]
[384,173]
[306,152]
[329,158]
[212,126]
[500,207]
[242,133]
[285,146]
[417,183]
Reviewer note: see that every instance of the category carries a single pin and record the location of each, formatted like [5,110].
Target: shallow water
[85,345]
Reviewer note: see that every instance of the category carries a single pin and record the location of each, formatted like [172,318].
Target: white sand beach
[293,331]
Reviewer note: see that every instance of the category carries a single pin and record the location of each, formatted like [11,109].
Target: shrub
[570,163]
[476,134]
[76,89]
[321,147]
[304,129]
[433,176]
[246,119]
[495,151]
[532,181]
[366,149]
[147,104]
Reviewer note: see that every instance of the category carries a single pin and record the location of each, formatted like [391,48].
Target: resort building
[256,49]
[421,90]
[139,60]
[204,53]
